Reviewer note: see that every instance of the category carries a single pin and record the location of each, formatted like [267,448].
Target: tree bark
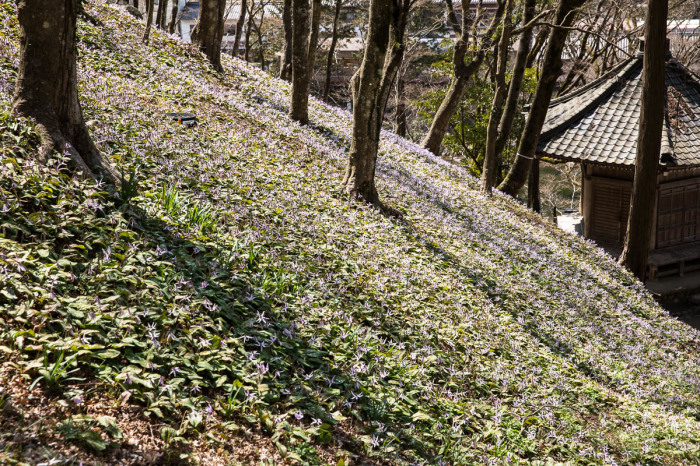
[299,108]
[316,9]
[149,22]
[208,32]
[259,41]
[173,17]
[331,50]
[371,87]
[239,28]
[637,242]
[551,68]
[248,31]
[579,65]
[401,114]
[286,66]
[540,40]
[488,173]
[516,80]
[160,15]
[47,90]
[462,72]
[533,187]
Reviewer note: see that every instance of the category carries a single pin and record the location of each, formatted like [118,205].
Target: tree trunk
[488,173]
[441,120]
[540,40]
[160,15]
[258,32]
[637,242]
[286,66]
[173,17]
[371,86]
[46,88]
[316,9]
[239,28]
[533,187]
[551,68]
[579,66]
[331,50]
[516,81]
[248,31]
[209,30]
[149,22]
[299,108]
[401,124]
[462,72]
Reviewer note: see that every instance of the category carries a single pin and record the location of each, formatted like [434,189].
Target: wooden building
[597,126]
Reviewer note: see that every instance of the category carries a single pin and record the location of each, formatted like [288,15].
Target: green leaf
[420,416]
[109,354]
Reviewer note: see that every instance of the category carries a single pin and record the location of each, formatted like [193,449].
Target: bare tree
[316,9]
[173,17]
[371,86]
[462,70]
[533,187]
[410,78]
[331,50]
[149,22]
[208,32]
[299,108]
[256,19]
[501,58]
[286,66]
[160,16]
[46,88]
[239,28]
[516,80]
[304,45]
[249,30]
[637,241]
[551,68]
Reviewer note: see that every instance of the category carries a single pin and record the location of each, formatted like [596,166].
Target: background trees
[551,68]
[463,70]
[485,121]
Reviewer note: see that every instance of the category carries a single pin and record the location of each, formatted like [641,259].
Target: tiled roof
[598,123]
[190,11]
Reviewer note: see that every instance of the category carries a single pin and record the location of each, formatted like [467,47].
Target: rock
[135,12]
[9,408]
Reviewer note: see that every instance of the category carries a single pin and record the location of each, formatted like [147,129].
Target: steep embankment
[231,304]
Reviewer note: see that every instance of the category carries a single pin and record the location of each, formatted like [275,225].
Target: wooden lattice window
[678,217]
[610,210]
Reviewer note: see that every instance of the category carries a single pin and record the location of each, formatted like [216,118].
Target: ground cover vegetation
[230,304]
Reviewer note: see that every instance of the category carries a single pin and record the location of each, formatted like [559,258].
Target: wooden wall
[678,221]
[606,199]
[606,208]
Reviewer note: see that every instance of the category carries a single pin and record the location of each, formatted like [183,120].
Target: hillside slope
[231,304]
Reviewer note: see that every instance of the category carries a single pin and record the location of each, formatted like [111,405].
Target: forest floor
[231,305]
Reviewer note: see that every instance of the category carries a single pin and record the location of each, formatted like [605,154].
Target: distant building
[348,55]
[190,12]
[597,126]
